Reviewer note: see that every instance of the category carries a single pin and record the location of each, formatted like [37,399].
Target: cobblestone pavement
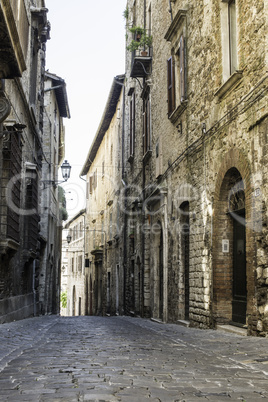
[128,359]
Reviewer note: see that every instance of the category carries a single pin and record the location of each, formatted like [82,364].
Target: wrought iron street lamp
[66,172]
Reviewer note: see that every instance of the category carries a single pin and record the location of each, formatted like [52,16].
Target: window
[80,263]
[177,66]
[229,37]
[146,123]
[34,68]
[11,168]
[171,85]
[95,179]
[232,36]
[90,184]
[132,125]
[72,264]
[176,77]
[111,226]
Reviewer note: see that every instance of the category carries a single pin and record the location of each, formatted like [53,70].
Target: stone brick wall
[234,110]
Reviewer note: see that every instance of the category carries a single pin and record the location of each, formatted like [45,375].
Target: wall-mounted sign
[225,246]
[257,192]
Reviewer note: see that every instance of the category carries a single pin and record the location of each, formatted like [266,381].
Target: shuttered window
[90,184]
[176,77]
[171,85]
[146,124]
[182,69]
[132,125]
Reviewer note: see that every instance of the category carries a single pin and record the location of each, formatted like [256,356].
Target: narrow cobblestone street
[128,359]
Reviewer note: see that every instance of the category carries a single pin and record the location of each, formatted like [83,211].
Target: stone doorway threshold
[232,329]
[185,323]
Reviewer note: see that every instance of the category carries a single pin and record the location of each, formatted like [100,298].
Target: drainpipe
[165,261]
[125,205]
[144,15]
[170,10]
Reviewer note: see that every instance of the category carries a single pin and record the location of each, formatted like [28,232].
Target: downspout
[144,15]
[165,260]
[125,205]
[170,10]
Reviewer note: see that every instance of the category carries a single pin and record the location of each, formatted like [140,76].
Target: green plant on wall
[63,299]
[141,39]
[126,13]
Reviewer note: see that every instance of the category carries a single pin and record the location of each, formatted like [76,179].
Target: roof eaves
[110,108]
[61,94]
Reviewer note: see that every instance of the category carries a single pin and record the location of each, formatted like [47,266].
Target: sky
[87,50]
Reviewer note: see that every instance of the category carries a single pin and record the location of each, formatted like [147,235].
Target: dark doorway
[185,242]
[90,297]
[239,303]
[74,297]
[161,277]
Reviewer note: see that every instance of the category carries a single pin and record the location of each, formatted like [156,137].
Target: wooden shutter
[132,126]
[171,84]
[148,131]
[182,69]
[90,184]
[144,127]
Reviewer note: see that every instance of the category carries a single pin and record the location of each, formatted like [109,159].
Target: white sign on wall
[225,246]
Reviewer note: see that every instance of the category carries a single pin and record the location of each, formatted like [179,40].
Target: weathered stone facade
[192,247]
[204,169]
[24,31]
[74,231]
[103,229]
[56,109]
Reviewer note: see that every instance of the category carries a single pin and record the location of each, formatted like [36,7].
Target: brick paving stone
[127,359]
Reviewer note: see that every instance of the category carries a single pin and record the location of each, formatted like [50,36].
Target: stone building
[24,31]
[196,139]
[103,231]
[56,109]
[178,166]
[74,233]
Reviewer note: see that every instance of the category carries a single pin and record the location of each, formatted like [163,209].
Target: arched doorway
[236,206]
[229,265]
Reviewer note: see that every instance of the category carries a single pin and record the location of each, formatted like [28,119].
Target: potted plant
[137,31]
[141,41]
[146,42]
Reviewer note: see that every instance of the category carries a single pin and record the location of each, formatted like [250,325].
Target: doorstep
[232,329]
[185,323]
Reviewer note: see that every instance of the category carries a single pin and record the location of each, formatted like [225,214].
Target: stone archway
[233,247]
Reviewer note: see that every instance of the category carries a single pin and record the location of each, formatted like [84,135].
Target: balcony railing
[141,62]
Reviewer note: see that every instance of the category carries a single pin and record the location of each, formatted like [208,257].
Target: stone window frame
[147,124]
[230,74]
[177,66]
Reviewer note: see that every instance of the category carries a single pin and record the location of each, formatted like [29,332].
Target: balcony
[14,35]
[141,63]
